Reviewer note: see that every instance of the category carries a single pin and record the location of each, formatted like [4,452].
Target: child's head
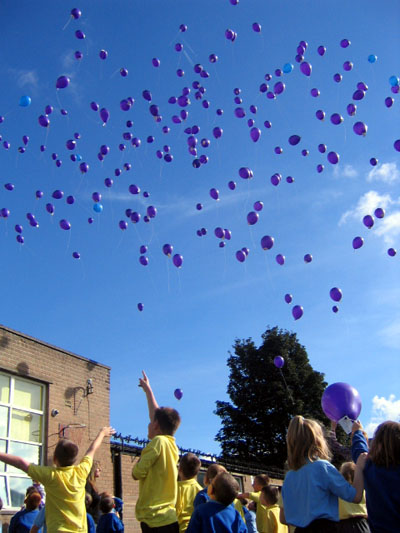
[224,488]
[260,481]
[95,471]
[385,447]
[65,453]
[212,471]
[32,501]
[189,465]
[347,470]
[269,495]
[88,500]
[305,441]
[106,503]
[166,421]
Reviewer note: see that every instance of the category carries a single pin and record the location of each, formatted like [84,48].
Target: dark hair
[88,500]
[213,471]
[225,487]
[271,494]
[66,452]
[385,447]
[168,419]
[106,504]
[32,501]
[263,479]
[189,465]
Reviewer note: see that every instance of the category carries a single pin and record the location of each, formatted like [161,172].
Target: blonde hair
[305,442]
[347,470]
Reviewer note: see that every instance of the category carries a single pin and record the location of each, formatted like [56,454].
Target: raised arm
[13,460]
[152,404]
[358,482]
[104,432]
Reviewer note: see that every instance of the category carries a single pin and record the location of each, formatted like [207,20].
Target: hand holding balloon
[357,426]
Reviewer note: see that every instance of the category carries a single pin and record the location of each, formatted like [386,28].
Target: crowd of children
[315,498]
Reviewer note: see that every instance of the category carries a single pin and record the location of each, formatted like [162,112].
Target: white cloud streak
[383,409]
[386,173]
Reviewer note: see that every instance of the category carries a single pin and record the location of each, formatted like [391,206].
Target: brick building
[47,393]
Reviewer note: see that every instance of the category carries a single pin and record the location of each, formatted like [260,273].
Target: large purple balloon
[339,400]
[279,361]
[306,68]
[65,224]
[357,242]
[267,242]
[252,218]
[336,294]
[62,82]
[294,139]
[360,128]
[255,134]
[104,115]
[333,158]
[297,312]
[44,121]
[368,221]
[177,260]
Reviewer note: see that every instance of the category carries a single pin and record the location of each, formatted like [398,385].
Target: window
[21,433]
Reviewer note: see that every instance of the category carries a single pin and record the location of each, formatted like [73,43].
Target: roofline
[43,343]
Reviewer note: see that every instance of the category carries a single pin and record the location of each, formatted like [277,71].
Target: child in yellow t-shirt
[352,516]
[156,469]
[271,522]
[64,483]
[188,488]
[260,481]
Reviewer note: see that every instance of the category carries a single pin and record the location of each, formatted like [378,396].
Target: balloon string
[286,385]
[67,23]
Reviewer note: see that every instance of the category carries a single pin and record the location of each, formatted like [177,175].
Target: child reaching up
[269,499]
[313,485]
[157,470]
[260,481]
[218,514]
[64,483]
[381,475]
[188,488]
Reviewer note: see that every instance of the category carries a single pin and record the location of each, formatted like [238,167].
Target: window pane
[27,395]
[3,491]
[26,426]
[4,388]
[3,450]
[3,421]
[28,451]
[18,486]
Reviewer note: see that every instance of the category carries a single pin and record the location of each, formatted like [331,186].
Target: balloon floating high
[279,361]
[297,312]
[339,400]
[178,393]
[336,294]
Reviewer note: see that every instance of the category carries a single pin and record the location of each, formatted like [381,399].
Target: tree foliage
[265,398]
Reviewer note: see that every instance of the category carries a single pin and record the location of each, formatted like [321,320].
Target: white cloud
[383,409]
[348,171]
[389,228]
[26,78]
[366,205]
[387,173]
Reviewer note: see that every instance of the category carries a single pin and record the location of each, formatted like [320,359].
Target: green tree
[265,398]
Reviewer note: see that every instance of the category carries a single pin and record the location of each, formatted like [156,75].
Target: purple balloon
[103,54]
[333,158]
[279,361]
[305,68]
[84,167]
[123,72]
[335,308]
[177,260]
[44,121]
[336,119]
[308,258]
[78,55]
[396,145]
[337,77]
[339,400]
[360,128]
[94,105]
[379,212]
[50,208]
[241,256]
[80,35]
[255,134]
[214,193]
[351,109]
[258,206]
[392,252]
[70,144]
[76,13]
[336,294]
[217,132]
[344,43]
[9,186]
[219,233]
[267,242]
[294,139]
[389,101]
[279,87]
[276,179]
[297,312]
[373,161]
[357,242]
[151,211]
[280,259]
[320,114]
[245,173]
[358,95]
[134,189]
[314,92]
[57,194]
[252,218]
[143,260]
[256,27]
[232,185]
[321,50]
[178,393]
[65,224]
[104,115]
[288,298]
[62,82]
[240,112]
[368,221]
[347,66]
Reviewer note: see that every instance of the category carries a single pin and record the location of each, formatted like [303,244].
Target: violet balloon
[267,242]
[279,361]
[336,294]
[104,115]
[177,260]
[297,312]
[368,221]
[357,242]
[65,224]
[294,140]
[379,212]
[62,82]
[178,393]
[306,68]
[252,218]
[280,259]
[339,400]
[288,298]
[255,134]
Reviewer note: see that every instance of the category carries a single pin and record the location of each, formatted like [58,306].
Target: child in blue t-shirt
[218,515]
[312,486]
[109,521]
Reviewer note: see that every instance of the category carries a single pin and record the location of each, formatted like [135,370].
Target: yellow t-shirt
[157,473]
[237,504]
[351,510]
[260,513]
[187,491]
[65,495]
[271,522]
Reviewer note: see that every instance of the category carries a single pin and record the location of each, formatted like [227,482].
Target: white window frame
[10,405]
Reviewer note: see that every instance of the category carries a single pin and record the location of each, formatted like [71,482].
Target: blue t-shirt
[22,521]
[91,524]
[312,492]
[250,518]
[381,489]
[201,497]
[109,522]
[213,517]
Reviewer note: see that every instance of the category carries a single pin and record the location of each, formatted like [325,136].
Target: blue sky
[192,315]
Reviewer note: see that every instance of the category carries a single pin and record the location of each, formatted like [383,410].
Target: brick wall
[66,374]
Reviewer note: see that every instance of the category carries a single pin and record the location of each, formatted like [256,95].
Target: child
[157,468]
[188,487]
[109,521]
[313,485]
[64,483]
[22,521]
[260,481]
[91,524]
[218,515]
[353,516]
[382,475]
[212,471]
[269,499]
